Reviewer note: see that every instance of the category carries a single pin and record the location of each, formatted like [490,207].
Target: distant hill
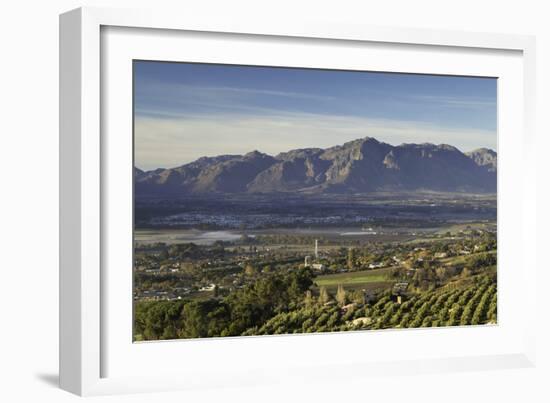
[359,166]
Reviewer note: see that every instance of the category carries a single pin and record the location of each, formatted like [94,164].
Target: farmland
[472,303]
[385,271]
[367,279]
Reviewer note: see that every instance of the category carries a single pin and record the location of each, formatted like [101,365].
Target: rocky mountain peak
[361,165]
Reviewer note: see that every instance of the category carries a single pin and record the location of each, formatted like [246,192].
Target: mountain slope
[484,157]
[359,166]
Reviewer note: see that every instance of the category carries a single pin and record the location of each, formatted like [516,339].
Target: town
[354,276]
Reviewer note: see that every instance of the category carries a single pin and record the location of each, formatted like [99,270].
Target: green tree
[308,300]
[351,258]
[324,296]
[357,297]
[466,272]
[193,320]
[341,295]
[250,270]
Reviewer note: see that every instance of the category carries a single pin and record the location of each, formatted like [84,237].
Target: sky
[183,111]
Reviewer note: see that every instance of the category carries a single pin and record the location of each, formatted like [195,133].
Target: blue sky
[184,111]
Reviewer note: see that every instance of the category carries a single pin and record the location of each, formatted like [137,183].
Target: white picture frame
[90,339]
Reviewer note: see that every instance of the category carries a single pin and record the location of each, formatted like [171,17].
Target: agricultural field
[467,304]
[278,282]
[368,280]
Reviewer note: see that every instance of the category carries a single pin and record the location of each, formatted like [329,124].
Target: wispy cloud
[216,96]
[174,139]
[175,100]
[255,91]
[456,101]
[185,111]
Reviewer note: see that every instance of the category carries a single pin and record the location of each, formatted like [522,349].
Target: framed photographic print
[320,226]
[277,198]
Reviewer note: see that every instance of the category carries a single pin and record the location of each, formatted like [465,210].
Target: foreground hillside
[472,304]
[275,307]
[363,165]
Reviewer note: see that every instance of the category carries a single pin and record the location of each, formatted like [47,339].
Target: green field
[369,279]
[461,260]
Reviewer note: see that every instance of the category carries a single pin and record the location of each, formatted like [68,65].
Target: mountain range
[359,166]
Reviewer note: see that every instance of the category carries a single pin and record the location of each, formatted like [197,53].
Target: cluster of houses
[174,294]
[152,267]
[157,295]
[416,255]
[253,221]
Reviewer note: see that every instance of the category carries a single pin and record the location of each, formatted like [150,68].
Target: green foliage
[341,296]
[283,303]
[482,260]
[324,296]
[241,310]
[351,258]
[157,320]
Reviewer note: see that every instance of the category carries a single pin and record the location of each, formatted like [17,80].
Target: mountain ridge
[359,166]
